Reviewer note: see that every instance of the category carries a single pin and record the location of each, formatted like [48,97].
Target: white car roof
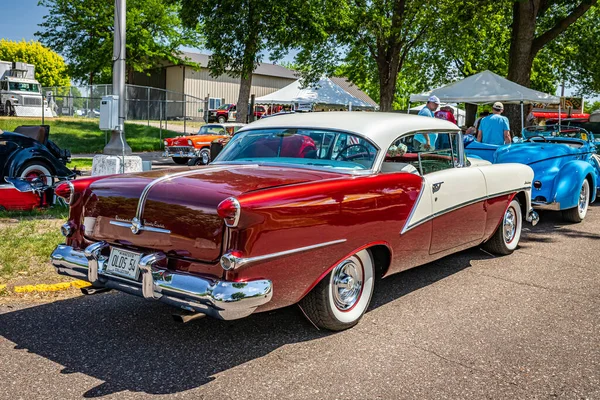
[380,128]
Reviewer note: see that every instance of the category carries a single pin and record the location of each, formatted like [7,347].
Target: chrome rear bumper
[217,298]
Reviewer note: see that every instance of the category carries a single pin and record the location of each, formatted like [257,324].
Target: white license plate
[124,263]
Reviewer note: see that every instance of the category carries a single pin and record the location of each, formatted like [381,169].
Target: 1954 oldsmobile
[305,209]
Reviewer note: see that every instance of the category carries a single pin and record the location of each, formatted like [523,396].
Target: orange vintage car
[183,148]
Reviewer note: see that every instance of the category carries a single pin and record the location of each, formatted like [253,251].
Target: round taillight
[65,191]
[229,210]
[537,185]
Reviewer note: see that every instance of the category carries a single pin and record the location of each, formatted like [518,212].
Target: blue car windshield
[550,131]
[301,146]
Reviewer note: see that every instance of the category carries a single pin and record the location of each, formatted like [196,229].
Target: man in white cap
[427,142]
[494,129]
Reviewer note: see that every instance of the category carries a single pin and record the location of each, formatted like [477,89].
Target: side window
[422,152]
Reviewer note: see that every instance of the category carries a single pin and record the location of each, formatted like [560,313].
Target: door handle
[436,186]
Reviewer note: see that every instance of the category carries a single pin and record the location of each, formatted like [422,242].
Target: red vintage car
[305,209]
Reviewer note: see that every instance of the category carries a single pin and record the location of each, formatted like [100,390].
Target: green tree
[50,68]
[82,31]
[378,34]
[591,107]
[238,33]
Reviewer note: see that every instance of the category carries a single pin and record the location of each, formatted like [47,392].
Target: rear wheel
[577,214]
[180,160]
[36,170]
[340,300]
[506,238]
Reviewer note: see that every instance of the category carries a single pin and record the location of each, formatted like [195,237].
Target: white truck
[20,92]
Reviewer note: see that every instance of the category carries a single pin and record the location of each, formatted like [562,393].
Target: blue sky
[20,19]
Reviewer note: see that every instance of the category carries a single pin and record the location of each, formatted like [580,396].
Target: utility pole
[117,144]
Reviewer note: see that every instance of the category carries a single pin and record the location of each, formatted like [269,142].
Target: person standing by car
[427,142]
[495,128]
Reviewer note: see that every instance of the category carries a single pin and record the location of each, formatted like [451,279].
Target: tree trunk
[388,66]
[243,98]
[521,54]
[470,111]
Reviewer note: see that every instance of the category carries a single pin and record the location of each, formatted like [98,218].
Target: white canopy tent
[459,114]
[484,88]
[324,92]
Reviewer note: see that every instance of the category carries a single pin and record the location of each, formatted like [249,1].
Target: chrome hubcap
[510,225]
[347,284]
[205,157]
[583,199]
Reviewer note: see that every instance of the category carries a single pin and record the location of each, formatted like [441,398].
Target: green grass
[28,238]
[83,136]
[81,163]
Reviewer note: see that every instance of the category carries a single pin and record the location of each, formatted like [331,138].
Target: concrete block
[108,165]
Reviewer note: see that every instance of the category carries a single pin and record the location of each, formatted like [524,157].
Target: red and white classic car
[303,208]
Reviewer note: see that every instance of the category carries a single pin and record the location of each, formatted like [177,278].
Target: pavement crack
[502,377]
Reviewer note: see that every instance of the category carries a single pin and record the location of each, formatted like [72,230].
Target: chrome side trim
[412,212]
[456,207]
[140,228]
[240,261]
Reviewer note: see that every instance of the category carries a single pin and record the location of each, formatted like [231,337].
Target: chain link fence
[155,106]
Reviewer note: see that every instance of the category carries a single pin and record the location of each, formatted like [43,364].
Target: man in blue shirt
[427,142]
[494,129]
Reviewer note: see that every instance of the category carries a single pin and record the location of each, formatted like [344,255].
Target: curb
[55,287]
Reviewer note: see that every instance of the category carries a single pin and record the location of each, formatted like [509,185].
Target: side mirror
[517,139]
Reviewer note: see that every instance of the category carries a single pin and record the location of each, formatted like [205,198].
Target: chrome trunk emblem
[135,226]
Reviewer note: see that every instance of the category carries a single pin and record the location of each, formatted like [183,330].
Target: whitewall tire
[340,300]
[578,213]
[506,238]
[36,169]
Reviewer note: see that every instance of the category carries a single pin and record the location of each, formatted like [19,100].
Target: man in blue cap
[494,129]
[427,142]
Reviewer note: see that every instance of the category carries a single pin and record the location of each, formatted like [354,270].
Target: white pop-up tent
[484,88]
[324,92]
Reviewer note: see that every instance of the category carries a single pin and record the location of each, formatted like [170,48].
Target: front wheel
[222,119]
[340,300]
[506,238]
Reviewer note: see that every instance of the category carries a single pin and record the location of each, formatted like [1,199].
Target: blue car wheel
[578,213]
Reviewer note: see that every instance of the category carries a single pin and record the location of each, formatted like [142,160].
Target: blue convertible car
[565,163]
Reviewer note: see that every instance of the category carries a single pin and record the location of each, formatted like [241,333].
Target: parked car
[565,163]
[227,113]
[27,153]
[196,147]
[305,209]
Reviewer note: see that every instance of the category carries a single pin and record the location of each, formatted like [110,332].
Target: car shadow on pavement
[552,222]
[132,344]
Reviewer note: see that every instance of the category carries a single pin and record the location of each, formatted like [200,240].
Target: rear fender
[37,153]
[568,182]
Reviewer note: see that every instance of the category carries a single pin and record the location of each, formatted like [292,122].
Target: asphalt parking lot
[469,326]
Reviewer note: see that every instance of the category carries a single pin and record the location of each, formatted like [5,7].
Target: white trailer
[20,92]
